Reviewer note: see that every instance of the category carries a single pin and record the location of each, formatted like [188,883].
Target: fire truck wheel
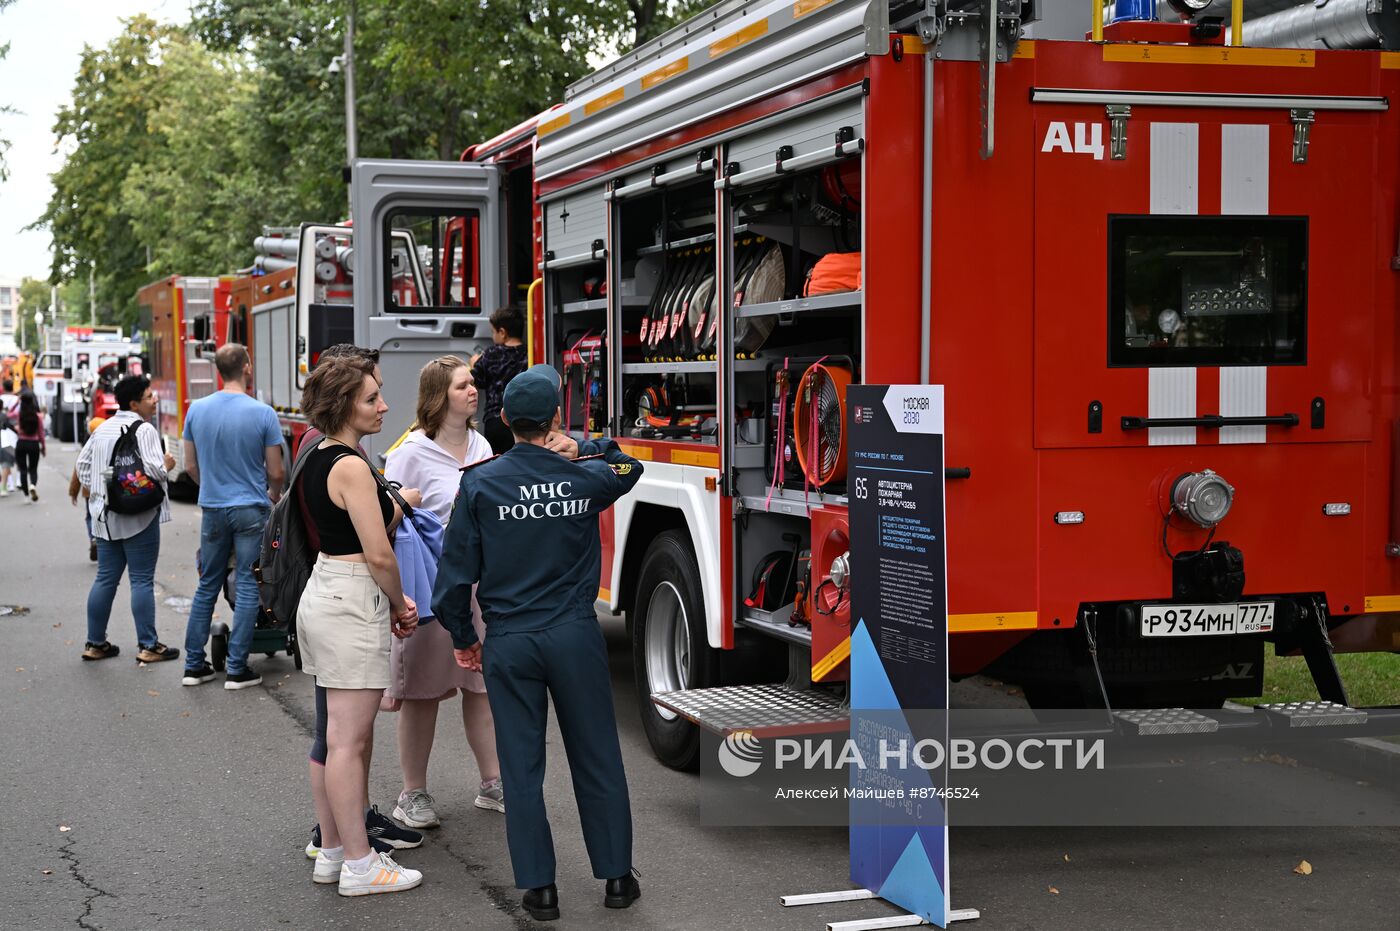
[670,650]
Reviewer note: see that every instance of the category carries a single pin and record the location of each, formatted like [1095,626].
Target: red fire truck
[1154,272]
[188,320]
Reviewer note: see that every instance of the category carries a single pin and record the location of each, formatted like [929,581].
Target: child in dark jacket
[493,369]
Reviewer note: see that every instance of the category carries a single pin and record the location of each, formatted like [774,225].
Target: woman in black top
[352,603]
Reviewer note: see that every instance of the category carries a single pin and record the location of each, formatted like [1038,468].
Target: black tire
[218,647]
[294,650]
[669,594]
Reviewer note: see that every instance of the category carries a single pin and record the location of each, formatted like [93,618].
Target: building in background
[9,315]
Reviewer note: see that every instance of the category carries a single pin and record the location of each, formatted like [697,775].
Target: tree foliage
[4,108]
[184,142]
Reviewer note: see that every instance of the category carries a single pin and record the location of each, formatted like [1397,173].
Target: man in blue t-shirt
[233,448]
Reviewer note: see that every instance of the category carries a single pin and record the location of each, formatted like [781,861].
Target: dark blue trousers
[570,663]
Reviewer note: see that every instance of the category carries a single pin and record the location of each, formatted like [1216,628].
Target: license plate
[1207,620]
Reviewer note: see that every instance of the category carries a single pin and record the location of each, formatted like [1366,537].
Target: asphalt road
[134,803]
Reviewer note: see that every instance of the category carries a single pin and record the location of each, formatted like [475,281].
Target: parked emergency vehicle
[1154,273]
[84,353]
[299,301]
[187,320]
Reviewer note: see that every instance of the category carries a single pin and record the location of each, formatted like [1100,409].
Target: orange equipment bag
[838,271]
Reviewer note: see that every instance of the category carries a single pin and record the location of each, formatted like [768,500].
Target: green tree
[4,108]
[189,200]
[34,294]
[114,94]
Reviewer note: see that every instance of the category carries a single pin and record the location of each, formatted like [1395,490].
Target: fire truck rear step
[764,710]
[1151,722]
[1313,714]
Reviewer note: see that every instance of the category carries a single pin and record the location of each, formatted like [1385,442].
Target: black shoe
[376,825]
[241,680]
[542,903]
[204,673]
[156,653]
[622,891]
[313,848]
[103,650]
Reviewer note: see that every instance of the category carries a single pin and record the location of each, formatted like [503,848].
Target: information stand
[899,652]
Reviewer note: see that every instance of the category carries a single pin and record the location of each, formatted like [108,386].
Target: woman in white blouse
[424,672]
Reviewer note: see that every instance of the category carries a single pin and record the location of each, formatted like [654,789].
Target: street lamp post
[346,62]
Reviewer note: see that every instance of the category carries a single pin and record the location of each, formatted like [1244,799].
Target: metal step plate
[1153,722]
[1313,714]
[765,710]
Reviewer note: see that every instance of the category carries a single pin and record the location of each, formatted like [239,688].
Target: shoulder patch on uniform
[473,465]
[621,468]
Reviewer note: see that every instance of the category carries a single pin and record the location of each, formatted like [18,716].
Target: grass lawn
[1370,678]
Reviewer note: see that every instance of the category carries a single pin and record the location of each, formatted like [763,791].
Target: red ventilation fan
[819,423]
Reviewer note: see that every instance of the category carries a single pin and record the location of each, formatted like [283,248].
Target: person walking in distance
[9,403]
[127,543]
[538,582]
[233,449]
[30,443]
[430,459]
[352,604]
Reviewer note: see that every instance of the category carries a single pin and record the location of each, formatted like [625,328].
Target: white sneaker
[384,875]
[491,797]
[326,870]
[416,808]
[4,492]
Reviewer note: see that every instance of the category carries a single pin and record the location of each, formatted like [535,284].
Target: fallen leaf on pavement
[152,692]
[47,872]
[58,625]
[184,714]
[1304,868]
[1053,890]
[68,643]
[19,669]
[64,829]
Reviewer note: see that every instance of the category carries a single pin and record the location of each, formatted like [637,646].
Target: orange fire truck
[187,319]
[1154,271]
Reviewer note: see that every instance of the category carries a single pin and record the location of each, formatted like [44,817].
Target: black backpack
[286,557]
[130,488]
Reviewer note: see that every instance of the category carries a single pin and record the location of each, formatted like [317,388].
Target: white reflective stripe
[1244,392]
[1171,392]
[1175,160]
[1175,163]
[1244,169]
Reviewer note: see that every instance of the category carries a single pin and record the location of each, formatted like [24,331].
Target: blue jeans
[137,557]
[236,530]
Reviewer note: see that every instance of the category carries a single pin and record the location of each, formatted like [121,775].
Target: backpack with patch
[130,488]
[286,556]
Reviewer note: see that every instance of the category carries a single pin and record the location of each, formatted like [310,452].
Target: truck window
[433,261]
[1207,291]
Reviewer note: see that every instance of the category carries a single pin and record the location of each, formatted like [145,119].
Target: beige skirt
[343,627]
[422,667]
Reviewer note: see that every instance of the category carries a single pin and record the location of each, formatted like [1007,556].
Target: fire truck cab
[1154,272]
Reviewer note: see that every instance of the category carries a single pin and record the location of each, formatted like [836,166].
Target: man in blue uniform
[525,525]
